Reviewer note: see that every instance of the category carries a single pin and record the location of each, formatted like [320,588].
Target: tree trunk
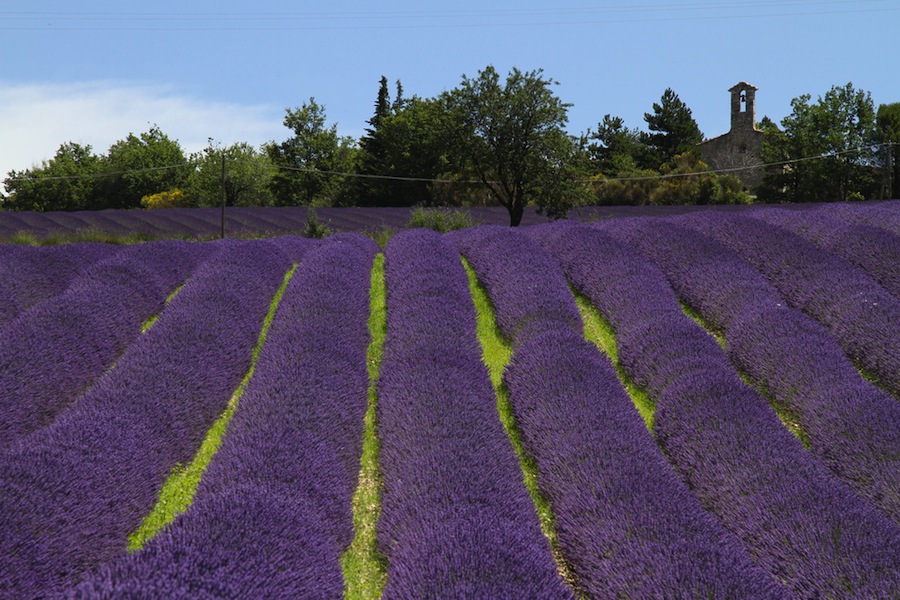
[516,210]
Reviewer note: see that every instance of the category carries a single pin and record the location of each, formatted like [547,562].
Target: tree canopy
[65,182]
[138,166]
[310,161]
[492,139]
[887,122]
[829,146]
[511,137]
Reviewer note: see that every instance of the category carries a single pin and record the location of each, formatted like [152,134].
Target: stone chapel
[738,150]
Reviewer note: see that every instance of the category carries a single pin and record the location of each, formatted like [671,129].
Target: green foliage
[140,166]
[381,235]
[685,181]
[673,129]
[440,219]
[248,176]
[616,149]
[887,121]
[24,238]
[310,161]
[840,130]
[407,145]
[65,182]
[365,568]
[315,229]
[76,179]
[511,137]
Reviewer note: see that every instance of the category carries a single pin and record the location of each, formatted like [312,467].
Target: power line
[100,174]
[314,171]
[422,19]
[744,167]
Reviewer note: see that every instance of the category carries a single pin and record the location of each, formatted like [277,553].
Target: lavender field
[630,405]
[206,223]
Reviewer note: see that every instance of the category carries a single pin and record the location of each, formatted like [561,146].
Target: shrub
[440,219]
[315,229]
[174,198]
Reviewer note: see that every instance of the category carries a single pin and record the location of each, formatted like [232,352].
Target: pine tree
[673,128]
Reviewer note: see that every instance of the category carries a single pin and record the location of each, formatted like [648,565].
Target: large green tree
[511,137]
[673,130]
[312,162]
[65,182]
[414,142]
[824,151]
[138,166]
[616,149]
[248,173]
[375,187]
[887,121]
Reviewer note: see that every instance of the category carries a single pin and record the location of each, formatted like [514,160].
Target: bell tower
[743,107]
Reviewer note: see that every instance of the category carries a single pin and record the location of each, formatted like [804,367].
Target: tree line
[490,140]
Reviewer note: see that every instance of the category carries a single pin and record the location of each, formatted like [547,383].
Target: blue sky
[91,72]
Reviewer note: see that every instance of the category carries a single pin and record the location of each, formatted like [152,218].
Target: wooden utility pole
[222,193]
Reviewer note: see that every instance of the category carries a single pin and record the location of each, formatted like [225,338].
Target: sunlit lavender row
[206,223]
[762,463]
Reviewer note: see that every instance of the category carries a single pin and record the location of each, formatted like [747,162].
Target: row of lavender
[239,221]
[456,521]
[456,518]
[272,514]
[53,351]
[627,525]
[850,423]
[73,490]
[795,518]
[244,221]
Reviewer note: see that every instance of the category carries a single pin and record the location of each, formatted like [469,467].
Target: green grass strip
[178,491]
[496,354]
[365,569]
[146,325]
[785,414]
[599,331]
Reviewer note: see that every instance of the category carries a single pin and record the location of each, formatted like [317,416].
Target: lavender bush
[52,353]
[456,519]
[71,492]
[802,526]
[29,276]
[626,523]
[272,513]
[524,283]
[849,423]
[618,506]
[860,314]
[872,249]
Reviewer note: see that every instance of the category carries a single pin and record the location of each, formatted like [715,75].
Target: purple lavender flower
[272,514]
[55,351]
[860,314]
[30,275]
[619,507]
[71,492]
[797,521]
[874,250]
[849,424]
[456,519]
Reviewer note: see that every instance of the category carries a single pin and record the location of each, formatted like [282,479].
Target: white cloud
[36,119]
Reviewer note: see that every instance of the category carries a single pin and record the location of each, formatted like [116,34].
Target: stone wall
[738,150]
